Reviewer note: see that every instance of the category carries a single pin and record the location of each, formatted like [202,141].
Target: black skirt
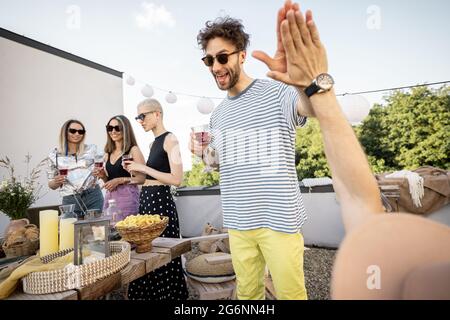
[167,282]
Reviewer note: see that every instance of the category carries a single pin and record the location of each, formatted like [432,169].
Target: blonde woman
[163,169]
[120,185]
[72,162]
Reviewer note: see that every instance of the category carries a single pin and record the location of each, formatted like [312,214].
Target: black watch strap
[312,89]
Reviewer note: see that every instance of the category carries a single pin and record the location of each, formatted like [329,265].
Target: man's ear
[243,55]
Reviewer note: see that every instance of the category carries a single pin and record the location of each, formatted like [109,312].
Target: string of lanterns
[205,105]
[355,106]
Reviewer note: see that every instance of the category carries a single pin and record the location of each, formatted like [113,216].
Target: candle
[66,233]
[48,232]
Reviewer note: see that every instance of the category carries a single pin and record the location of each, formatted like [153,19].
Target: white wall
[39,91]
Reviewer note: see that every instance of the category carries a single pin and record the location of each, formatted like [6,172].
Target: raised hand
[278,62]
[306,57]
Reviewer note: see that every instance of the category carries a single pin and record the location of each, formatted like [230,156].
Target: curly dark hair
[227,28]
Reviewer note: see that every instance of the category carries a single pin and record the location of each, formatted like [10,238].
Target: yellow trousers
[282,252]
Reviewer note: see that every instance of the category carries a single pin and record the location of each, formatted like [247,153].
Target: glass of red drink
[202,134]
[63,171]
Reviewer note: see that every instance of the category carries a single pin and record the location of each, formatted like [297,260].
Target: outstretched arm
[278,64]
[352,178]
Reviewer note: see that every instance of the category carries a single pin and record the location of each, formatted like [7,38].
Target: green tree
[412,130]
[309,148]
[197,176]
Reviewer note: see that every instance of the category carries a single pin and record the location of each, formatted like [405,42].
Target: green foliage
[197,176]
[17,196]
[309,148]
[412,129]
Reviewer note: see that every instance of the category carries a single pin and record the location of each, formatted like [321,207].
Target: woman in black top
[163,169]
[119,183]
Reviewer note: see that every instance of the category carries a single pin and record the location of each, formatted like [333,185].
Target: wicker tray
[142,237]
[73,277]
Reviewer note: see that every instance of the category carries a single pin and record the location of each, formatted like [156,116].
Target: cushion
[211,272]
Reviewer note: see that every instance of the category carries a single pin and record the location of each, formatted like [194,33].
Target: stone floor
[318,264]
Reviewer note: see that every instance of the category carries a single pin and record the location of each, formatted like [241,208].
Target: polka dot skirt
[167,282]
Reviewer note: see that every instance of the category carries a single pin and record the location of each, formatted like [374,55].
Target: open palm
[278,63]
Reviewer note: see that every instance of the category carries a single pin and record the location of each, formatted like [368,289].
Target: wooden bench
[164,250]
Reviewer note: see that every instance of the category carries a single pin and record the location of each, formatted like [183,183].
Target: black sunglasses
[111,128]
[80,132]
[222,58]
[142,116]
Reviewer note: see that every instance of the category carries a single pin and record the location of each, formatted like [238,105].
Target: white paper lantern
[171,97]
[130,81]
[355,108]
[147,91]
[205,105]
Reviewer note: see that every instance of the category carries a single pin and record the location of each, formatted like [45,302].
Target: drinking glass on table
[203,136]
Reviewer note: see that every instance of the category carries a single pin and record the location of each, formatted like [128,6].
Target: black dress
[167,282]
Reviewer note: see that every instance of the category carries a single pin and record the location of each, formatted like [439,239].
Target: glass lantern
[91,240]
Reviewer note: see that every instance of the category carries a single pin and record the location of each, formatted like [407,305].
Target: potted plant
[16,194]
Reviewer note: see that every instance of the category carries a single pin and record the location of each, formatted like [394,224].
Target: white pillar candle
[48,232]
[66,233]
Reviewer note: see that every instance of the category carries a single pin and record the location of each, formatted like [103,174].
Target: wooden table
[164,250]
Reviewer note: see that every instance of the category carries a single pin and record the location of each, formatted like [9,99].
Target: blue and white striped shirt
[254,135]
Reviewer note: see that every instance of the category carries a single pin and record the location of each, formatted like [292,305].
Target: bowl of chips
[142,229]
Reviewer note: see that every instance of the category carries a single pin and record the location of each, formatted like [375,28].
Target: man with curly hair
[253,141]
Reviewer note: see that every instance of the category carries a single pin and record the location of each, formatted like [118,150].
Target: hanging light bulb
[355,108]
[130,81]
[171,97]
[205,105]
[147,91]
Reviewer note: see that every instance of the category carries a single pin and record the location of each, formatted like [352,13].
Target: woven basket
[142,237]
[72,277]
[25,248]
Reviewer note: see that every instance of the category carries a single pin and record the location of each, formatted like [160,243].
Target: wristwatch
[324,82]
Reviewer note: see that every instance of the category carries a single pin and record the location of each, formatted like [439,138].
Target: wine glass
[203,136]
[99,160]
[127,157]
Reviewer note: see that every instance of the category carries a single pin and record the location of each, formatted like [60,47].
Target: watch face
[325,81]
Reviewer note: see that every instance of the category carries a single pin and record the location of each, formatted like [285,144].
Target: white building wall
[39,91]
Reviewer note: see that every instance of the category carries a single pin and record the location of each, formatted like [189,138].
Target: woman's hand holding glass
[131,166]
[59,180]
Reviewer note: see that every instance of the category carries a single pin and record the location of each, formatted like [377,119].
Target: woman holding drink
[120,185]
[71,169]
[163,169]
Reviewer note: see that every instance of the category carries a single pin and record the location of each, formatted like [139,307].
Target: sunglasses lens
[208,60]
[80,132]
[111,128]
[222,58]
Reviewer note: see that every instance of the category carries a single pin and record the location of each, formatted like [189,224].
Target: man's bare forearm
[353,180]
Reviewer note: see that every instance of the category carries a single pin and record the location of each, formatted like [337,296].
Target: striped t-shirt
[254,135]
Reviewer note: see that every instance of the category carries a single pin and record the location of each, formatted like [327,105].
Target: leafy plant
[16,194]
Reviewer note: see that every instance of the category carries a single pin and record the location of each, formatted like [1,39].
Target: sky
[370,44]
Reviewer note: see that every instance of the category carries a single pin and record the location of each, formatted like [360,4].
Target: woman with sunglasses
[120,185]
[163,169]
[71,167]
